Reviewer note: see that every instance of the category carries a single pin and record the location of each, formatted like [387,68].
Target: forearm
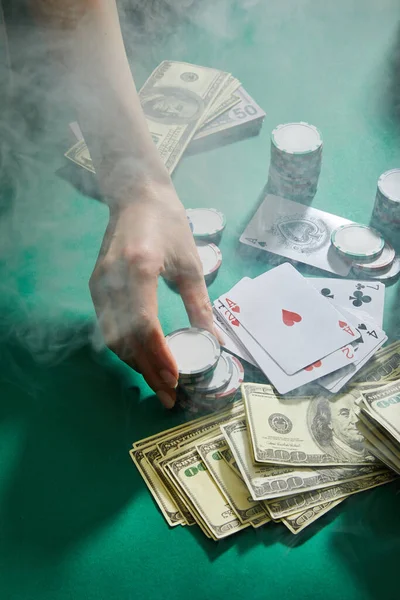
[107,102]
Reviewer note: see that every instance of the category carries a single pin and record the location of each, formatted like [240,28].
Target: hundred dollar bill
[152,455]
[304,431]
[378,448]
[382,457]
[162,468]
[383,405]
[193,477]
[169,444]
[299,521]
[379,432]
[385,367]
[281,507]
[260,521]
[229,483]
[164,500]
[174,99]
[266,482]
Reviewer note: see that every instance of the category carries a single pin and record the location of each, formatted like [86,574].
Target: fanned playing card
[283,382]
[358,296]
[289,318]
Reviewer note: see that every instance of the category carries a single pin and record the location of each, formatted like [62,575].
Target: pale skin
[148,233]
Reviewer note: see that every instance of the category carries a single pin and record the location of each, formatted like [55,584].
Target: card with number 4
[372,338]
[280,380]
[289,318]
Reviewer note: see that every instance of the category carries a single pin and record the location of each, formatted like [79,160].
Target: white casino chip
[195,350]
[206,222]
[210,256]
[391,273]
[389,184]
[220,377]
[358,241]
[234,384]
[297,138]
[384,261]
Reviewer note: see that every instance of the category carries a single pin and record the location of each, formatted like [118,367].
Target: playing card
[358,296]
[289,319]
[283,383]
[372,338]
[297,232]
[231,343]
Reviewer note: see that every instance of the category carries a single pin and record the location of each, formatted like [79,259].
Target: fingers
[197,302]
[150,350]
[126,306]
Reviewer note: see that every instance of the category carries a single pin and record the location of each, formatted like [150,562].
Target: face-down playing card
[289,318]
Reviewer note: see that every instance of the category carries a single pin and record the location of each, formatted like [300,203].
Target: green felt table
[76,519]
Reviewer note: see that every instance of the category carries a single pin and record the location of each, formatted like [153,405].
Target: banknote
[169,444]
[266,482]
[281,507]
[383,405]
[230,484]
[152,455]
[297,522]
[243,120]
[174,99]
[379,432]
[194,479]
[163,498]
[225,100]
[306,431]
[385,366]
[380,449]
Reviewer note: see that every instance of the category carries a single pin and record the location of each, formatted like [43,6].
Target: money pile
[188,106]
[380,423]
[272,458]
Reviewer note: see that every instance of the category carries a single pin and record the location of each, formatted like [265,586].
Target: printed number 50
[247,110]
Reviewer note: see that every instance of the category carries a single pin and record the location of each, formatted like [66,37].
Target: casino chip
[234,383]
[383,262]
[219,378]
[358,242]
[297,138]
[296,158]
[387,274]
[195,350]
[211,258]
[197,402]
[207,222]
[387,201]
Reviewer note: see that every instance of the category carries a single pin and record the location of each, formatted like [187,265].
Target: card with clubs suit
[358,296]
[289,318]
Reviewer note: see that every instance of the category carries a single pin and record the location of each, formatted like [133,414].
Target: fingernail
[165,399]
[168,378]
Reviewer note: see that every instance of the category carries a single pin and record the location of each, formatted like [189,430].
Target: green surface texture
[76,520]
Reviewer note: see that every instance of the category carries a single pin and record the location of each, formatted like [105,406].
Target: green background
[76,519]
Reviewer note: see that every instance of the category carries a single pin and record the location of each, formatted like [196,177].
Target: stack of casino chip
[209,378]
[370,255]
[296,158]
[207,225]
[386,212]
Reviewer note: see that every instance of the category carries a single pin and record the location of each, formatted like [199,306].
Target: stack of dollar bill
[277,459]
[188,108]
[380,423]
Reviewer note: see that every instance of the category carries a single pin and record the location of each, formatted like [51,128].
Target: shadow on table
[69,470]
[368,540]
